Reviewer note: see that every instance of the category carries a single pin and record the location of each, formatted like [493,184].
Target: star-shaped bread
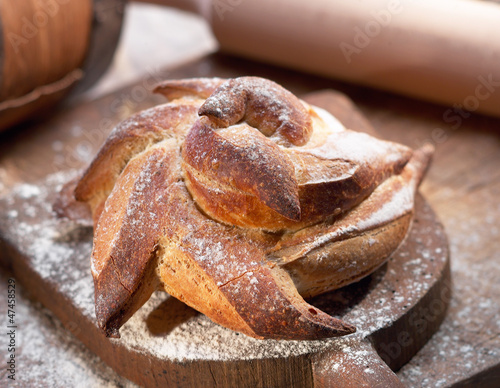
[241,200]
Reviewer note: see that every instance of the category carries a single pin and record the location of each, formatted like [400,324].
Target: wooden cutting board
[396,310]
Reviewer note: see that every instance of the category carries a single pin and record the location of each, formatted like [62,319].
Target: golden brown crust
[183,203]
[129,138]
[244,162]
[127,234]
[327,257]
[262,104]
[240,158]
[277,168]
[221,271]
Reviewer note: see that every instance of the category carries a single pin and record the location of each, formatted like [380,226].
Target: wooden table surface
[463,187]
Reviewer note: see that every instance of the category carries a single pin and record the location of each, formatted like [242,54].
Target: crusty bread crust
[240,200]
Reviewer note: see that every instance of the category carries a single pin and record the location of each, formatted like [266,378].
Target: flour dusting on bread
[240,199]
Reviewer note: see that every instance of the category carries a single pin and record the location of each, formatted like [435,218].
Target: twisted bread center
[262,104]
[252,160]
[244,161]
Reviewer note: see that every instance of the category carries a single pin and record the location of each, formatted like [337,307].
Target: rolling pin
[445,51]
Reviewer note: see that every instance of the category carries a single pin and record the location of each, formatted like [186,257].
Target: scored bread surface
[240,200]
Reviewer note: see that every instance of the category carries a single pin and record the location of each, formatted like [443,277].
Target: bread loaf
[240,199]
